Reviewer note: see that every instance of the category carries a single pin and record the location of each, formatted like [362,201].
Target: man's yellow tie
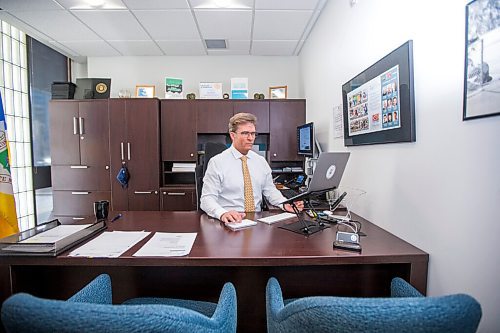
[249,202]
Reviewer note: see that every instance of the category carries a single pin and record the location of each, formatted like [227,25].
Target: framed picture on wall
[278,92]
[482,60]
[145,91]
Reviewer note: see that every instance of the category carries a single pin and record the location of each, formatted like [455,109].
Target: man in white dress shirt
[237,178]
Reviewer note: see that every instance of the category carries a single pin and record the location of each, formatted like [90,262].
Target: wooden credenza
[92,139]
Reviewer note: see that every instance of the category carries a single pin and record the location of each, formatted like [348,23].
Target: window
[14,90]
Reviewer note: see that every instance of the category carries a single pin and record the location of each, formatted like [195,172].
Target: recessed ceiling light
[222,3]
[215,43]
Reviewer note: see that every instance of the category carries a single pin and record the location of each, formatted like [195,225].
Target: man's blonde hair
[241,118]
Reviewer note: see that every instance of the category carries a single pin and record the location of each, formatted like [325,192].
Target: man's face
[243,142]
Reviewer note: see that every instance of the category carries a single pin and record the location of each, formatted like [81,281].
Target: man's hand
[298,204]
[232,216]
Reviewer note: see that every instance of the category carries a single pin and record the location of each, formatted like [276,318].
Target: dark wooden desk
[304,266]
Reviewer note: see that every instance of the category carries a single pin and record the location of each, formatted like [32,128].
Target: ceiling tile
[222,4]
[156,4]
[224,24]
[168,24]
[233,47]
[288,4]
[63,49]
[275,25]
[113,24]
[92,48]
[182,47]
[61,26]
[10,5]
[273,47]
[98,5]
[136,48]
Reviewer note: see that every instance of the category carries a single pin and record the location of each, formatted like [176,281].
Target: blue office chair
[91,310]
[405,311]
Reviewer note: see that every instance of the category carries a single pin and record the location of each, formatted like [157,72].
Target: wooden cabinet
[178,131]
[80,156]
[178,198]
[92,139]
[284,117]
[79,132]
[135,142]
[213,115]
[256,107]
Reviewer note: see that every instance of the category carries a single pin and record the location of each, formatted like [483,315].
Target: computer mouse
[327,212]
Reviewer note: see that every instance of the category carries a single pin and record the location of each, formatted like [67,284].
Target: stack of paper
[164,244]
[110,244]
[183,167]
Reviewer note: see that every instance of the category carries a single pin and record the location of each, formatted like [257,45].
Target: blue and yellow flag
[8,217]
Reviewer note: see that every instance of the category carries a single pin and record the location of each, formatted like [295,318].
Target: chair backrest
[26,313]
[211,149]
[446,314]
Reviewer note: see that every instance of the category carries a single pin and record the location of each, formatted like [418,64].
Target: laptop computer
[327,175]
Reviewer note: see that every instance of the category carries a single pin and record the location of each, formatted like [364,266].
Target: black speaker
[92,88]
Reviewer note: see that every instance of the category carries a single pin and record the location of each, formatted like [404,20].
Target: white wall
[262,72]
[442,191]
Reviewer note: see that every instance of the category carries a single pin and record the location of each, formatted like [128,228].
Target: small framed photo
[278,92]
[145,91]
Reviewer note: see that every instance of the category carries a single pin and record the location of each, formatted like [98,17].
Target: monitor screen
[378,104]
[305,140]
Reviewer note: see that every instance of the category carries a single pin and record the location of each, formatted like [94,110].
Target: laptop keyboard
[289,193]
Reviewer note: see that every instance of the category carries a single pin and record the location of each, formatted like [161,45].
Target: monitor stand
[302,226]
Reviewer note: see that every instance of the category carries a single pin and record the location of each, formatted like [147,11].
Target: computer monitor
[305,140]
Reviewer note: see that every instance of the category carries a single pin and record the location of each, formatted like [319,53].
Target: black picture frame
[482,60]
[402,59]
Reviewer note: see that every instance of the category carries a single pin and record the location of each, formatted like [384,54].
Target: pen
[116,217]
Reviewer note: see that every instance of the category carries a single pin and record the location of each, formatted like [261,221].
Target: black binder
[16,245]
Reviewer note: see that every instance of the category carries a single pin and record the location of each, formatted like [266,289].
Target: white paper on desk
[167,244]
[55,234]
[111,244]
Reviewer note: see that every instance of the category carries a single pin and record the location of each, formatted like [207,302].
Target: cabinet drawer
[80,178]
[178,198]
[77,203]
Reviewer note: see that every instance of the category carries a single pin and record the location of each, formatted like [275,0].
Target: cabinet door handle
[143,192]
[80,193]
[82,129]
[121,150]
[78,218]
[176,193]
[128,150]
[79,167]
[274,154]
[75,126]
[192,154]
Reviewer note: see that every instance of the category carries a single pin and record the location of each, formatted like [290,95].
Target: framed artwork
[145,91]
[278,92]
[482,59]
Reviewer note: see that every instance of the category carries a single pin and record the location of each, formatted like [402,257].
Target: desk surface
[304,265]
[261,245]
